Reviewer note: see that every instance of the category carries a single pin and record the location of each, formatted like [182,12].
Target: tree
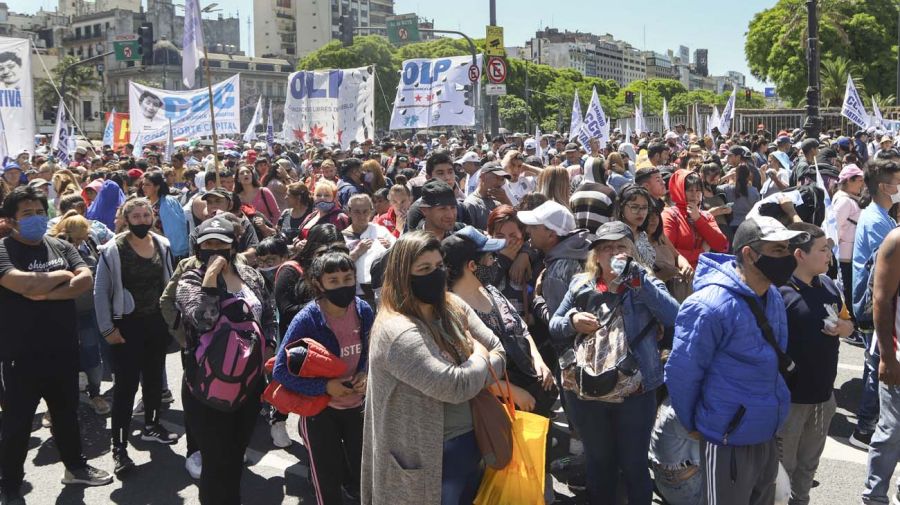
[863,32]
[679,103]
[79,80]
[514,112]
[833,81]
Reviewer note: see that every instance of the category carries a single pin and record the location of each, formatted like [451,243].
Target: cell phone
[729,204]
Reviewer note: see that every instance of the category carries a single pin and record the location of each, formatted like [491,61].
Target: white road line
[853,368]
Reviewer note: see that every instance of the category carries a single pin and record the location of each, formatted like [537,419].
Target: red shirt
[389,221]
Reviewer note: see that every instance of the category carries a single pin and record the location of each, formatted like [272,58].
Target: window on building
[87,110]
[97,30]
[78,33]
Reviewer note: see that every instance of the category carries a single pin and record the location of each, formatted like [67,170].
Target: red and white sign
[496,70]
[474,73]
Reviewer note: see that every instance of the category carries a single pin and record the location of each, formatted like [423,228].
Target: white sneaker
[279,434]
[194,465]
[576,447]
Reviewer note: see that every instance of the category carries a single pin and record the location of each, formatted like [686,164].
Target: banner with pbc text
[151,109]
[16,94]
[330,106]
[121,130]
[435,92]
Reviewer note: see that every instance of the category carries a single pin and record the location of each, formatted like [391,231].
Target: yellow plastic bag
[522,481]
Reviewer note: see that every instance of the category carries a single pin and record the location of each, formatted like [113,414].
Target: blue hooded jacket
[108,200]
[720,363]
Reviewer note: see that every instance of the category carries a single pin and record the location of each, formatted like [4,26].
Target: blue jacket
[640,305]
[175,226]
[874,224]
[720,361]
[310,323]
[347,188]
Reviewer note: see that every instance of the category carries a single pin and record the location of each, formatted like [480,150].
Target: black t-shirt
[31,328]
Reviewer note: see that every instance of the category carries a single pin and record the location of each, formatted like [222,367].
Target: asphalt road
[279,476]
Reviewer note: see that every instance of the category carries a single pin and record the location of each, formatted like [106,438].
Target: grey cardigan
[111,299]
[409,381]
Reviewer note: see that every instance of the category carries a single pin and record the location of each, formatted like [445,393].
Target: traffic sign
[126,47]
[403,29]
[495,89]
[474,73]
[496,70]
[493,41]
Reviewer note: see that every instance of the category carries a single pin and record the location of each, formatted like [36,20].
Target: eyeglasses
[638,208]
[616,248]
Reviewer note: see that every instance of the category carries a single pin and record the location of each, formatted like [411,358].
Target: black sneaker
[11,498]
[860,439]
[855,339]
[88,476]
[576,483]
[123,463]
[167,396]
[156,433]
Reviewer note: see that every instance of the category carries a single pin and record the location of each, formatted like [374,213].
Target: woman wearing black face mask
[340,321]
[429,356]
[131,275]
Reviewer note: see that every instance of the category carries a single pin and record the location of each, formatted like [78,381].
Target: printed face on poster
[151,110]
[16,94]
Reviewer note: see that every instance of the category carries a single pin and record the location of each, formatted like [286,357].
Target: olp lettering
[423,72]
[316,85]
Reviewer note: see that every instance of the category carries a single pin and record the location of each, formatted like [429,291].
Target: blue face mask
[33,228]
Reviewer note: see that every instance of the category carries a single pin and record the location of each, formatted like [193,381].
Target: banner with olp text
[16,95]
[435,92]
[330,106]
[151,109]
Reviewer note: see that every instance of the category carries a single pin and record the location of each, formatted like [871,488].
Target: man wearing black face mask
[725,370]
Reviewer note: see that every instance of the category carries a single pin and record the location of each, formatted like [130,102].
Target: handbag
[492,422]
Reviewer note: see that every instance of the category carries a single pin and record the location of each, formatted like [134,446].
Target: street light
[813,123]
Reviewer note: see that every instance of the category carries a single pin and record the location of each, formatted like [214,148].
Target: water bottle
[618,265]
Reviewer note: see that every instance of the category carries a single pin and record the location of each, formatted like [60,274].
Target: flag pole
[212,117]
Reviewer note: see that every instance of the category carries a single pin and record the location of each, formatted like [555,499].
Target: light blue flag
[191,42]
[575,123]
[110,129]
[270,133]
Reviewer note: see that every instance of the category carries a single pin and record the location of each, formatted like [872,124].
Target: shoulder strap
[785,363]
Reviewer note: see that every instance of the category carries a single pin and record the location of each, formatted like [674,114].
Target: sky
[657,25]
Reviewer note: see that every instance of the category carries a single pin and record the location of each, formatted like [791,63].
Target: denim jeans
[616,438]
[884,450]
[89,351]
[679,491]
[867,413]
[462,470]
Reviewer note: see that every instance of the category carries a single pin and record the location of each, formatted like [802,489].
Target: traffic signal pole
[495,114]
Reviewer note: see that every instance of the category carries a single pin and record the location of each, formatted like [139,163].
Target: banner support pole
[212,118]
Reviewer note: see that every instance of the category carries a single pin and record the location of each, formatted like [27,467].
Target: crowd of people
[373,293]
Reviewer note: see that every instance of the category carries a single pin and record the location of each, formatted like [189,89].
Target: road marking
[839,451]
[853,368]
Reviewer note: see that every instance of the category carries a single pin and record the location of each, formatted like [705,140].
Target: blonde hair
[325,183]
[553,182]
[396,293]
[592,270]
[73,227]
[64,181]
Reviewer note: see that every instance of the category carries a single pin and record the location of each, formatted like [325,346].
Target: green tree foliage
[861,31]
[535,93]
[79,80]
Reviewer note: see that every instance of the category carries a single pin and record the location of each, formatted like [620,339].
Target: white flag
[628,131]
[138,151]
[60,124]
[538,150]
[709,124]
[878,120]
[576,121]
[270,133]
[665,115]
[829,226]
[714,119]
[191,42]
[170,144]
[4,147]
[250,132]
[697,124]
[728,112]
[595,121]
[110,128]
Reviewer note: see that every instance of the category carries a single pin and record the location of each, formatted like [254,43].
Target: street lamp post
[813,124]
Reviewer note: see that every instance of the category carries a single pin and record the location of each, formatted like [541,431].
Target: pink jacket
[846,210]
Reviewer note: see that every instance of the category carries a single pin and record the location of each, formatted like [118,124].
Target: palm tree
[78,81]
[883,101]
[833,80]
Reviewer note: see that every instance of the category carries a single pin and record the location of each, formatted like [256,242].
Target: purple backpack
[228,358]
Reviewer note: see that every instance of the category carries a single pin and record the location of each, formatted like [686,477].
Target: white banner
[854,109]
[728,112]
[665,116]
[576,120]
[150,110]
[16,94]
[878,119]
[435,92]
[330,106]
[595,120]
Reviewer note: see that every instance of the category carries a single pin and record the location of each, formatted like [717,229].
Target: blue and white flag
[665,115]
[595,121]
[192,42]
[250,132]
[138,151]
[878,119]
[853,108]
[63,153]
[576,121]
[60,125]
[728,112]
[270,133]
[109,130]
[170,144]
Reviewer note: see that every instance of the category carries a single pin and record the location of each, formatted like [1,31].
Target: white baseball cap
[530,144]
[470,157]
[552,215]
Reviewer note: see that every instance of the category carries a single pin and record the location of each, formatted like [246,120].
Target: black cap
[613,230]
[216,227]
[436,193]
[218,193]
[643,174]
[494,168]
[741,151]
[808,145]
